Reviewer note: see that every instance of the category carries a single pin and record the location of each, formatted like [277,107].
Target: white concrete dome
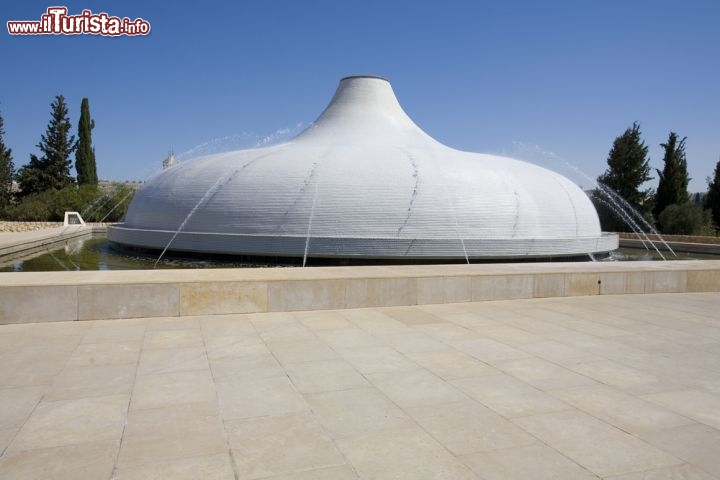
[363,181]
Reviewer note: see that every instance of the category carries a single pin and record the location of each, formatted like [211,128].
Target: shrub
[686,219]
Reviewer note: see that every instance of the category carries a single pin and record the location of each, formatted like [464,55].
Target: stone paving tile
[352,412]
[542,374]
[415,388]
[508,396]
[615,374]
[536,461]
[697,444]
[678,472]
[92,381]
[230,346]
[6,436]
[699,405]
[319,320]
[245,367]
[92,460]
[377,360]
[467,427]
[342,472]
[412,342]
[172,339]
[324,376]
[17,404]
[629,413]
[399,454]
[283,444]
[118,353]
[301,351]
[67,422]
[171,432]
[169,360]
[452,364]
[344,338]
[259,397]
[157,391]
[597,446]
[210,467]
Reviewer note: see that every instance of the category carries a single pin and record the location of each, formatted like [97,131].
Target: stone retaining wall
[27,226]
[55,296]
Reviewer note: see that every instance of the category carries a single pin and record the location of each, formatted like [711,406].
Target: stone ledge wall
[675,238]
[27,226]
[89,300]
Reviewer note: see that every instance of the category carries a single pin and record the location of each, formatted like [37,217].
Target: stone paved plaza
[621,387]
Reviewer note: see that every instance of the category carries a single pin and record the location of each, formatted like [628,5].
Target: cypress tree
[85,154]
[52,169]
[628,168]
[712,199]
[672,188]
[7,169]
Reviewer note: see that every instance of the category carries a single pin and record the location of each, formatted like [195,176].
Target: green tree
[712,199]
[628,168]
[52,169]
[672,188]
[85,153]
[7,169]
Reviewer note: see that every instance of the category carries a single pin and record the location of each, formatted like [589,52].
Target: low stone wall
[675,238]
[55,296]
[27,226]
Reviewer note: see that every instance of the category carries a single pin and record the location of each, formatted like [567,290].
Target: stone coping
[55,296]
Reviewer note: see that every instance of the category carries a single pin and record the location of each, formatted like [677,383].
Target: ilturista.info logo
[56,21]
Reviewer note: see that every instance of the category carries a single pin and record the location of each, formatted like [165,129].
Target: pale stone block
[159,391]
[17,404]
[222,298]
[629,413]
[582,284]
[550,285]
[502,287]
[233,346]
[542,374]
[703,281]
[377,360]
[387,292]
[172,339]
[268,446]
[615,374]
[697,444]
[665,282]
[612,283]
[434,290]
[168,360]
[537,461]
[259,397]
[340,472]
[508,396]
[696,404]
[27,304]
[451,364]
[226,325]
[357,411]
[92,381]
[675,472]
[246,367]
[466,427]
[415,387]
[285,296]
[602,449]
[301,351]
[170,433]
[84,460]
[324,376]
[635,282]
[70,422]
[211,467]
[407,453]
[127,301]
[343,338]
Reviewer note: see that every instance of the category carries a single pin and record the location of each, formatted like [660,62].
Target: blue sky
[512,77]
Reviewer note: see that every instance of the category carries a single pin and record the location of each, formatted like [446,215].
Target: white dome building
[363,181]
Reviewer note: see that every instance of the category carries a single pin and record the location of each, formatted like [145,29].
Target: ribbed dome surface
[363,181]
